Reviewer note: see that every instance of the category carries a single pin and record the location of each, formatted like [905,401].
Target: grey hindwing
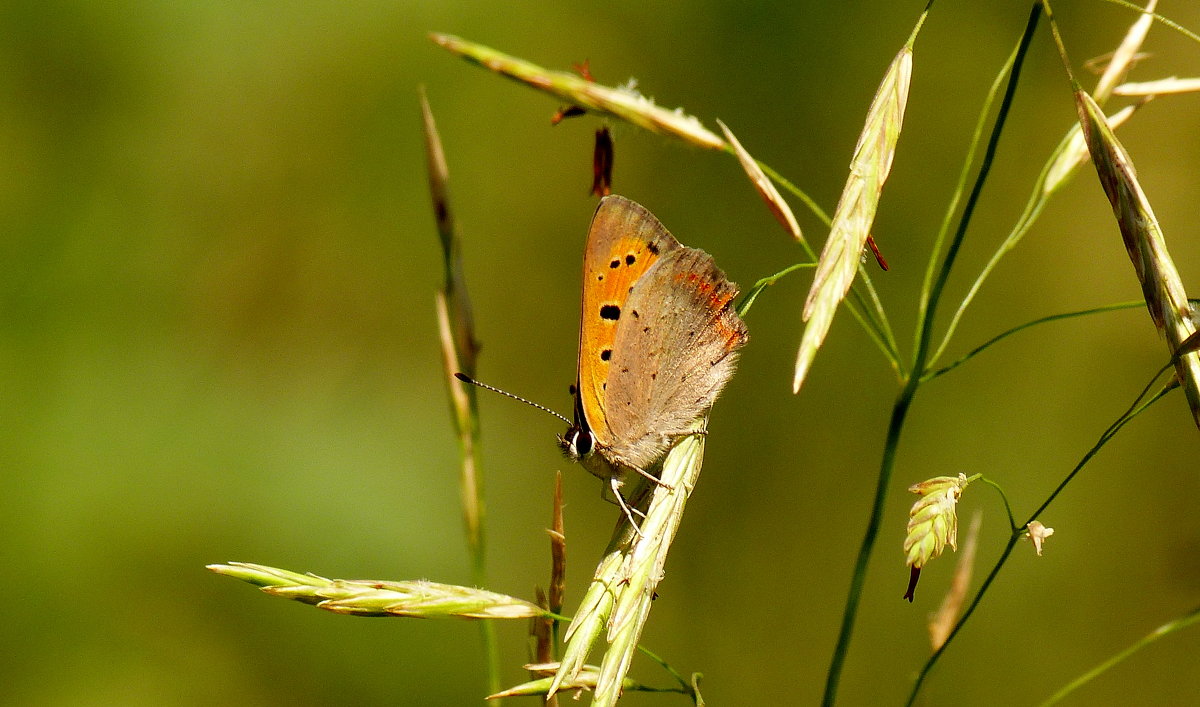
[673,353]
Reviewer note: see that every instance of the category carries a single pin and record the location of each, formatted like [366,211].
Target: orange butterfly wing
[623,241]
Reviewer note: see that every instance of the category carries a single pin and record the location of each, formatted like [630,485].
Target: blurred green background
[217,342]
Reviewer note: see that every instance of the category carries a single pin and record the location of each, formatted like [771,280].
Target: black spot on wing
[610,311]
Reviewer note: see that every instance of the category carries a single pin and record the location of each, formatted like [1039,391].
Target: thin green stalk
[1162,631]
[1033,209]
[850,613]
[684,682]
[1133,411]
[964,173]
[904,399]
[1159,18]
[799,194]
[878,330]
[862,313]
[1012,519]
[889,338]
[930,375]
[748,299]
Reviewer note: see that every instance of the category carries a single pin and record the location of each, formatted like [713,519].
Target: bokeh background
[217,342]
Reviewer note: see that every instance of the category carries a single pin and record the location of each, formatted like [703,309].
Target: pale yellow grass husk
[618,600]
[855,212]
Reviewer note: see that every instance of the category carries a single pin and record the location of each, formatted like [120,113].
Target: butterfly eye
[584,442]
[577,442]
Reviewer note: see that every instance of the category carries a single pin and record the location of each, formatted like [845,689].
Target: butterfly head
[578,442]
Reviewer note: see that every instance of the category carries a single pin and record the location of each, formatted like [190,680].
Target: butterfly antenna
[468,379]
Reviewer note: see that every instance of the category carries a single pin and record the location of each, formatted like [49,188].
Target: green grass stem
[1163,631]
[905,397]
[1021,327]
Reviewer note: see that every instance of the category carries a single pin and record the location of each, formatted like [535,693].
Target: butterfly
[658,340]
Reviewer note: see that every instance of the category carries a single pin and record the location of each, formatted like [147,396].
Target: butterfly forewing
[624,241]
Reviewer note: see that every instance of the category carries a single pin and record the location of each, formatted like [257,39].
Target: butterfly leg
[612,494]
[615,485]
[651,477]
